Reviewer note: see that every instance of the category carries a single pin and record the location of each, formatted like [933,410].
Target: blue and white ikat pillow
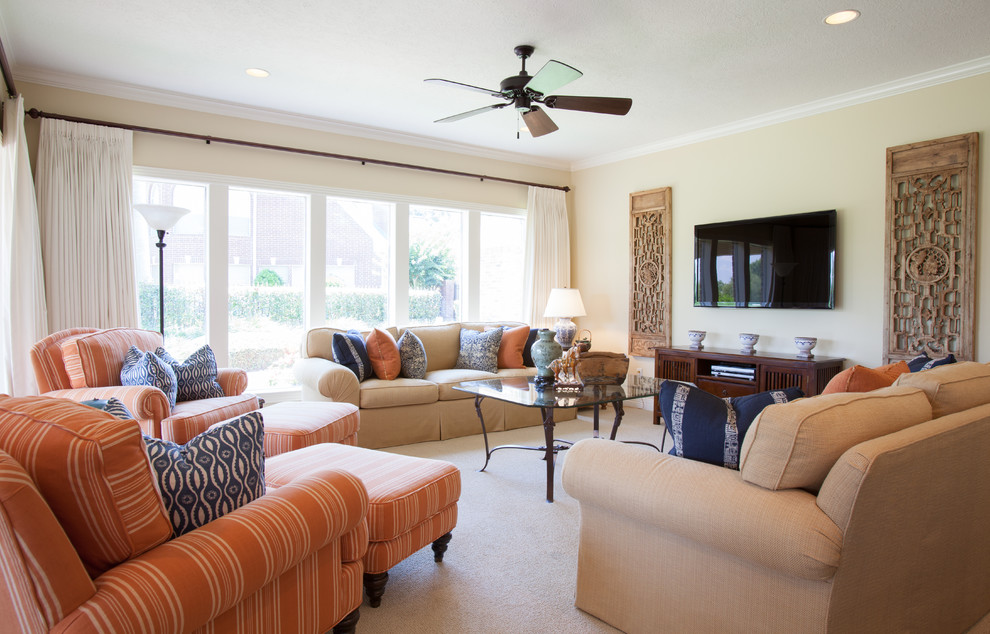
[216,472]
[145,368]
[412,354]
[197,375]
[710,429]
[350,351]
[479,350]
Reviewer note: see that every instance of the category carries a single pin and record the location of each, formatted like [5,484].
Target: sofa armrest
[325,379]
[784,530]
[185,583]
[144,401]
[233,381]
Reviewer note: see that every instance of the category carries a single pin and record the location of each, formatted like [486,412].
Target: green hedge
[185,308]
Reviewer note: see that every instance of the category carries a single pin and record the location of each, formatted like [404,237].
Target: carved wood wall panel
[930,248]
[649,280]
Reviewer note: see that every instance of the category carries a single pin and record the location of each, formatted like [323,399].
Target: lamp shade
[564,302]
[161,217]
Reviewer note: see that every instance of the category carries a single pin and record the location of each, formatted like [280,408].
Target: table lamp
[565,303]
[161,218]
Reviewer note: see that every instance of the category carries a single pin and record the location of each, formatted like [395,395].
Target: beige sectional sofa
[404,411]
[860,512]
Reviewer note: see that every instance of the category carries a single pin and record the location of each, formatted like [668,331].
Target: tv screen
[776,262]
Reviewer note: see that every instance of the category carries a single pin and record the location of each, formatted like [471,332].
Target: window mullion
[399,266]
[472,276]
[216,277]
[316,274]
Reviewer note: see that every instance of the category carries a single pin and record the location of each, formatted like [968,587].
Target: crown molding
[881,91]
[132,92]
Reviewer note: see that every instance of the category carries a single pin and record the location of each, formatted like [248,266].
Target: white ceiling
[692,67]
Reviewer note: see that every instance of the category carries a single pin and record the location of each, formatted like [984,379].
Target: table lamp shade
[161,217]
[565,303]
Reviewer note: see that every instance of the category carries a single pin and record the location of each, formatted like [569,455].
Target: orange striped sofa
[85,545]
[85,363]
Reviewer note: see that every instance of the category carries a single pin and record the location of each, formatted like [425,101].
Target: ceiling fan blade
[552,76]
[470,113]
[538,122]
[603,105]
[493,93]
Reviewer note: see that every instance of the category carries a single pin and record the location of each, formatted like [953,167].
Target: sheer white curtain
[22,283]
[84,200]
[548,252]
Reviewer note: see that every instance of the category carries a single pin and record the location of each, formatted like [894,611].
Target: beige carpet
[512,563]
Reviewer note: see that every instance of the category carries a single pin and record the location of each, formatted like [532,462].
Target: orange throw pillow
[510,351]
[384,354]
[862,379]
[894,370]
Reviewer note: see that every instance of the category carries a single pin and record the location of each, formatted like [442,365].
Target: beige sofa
[851,513]
[405,411]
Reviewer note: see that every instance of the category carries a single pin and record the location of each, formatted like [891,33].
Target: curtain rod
[8,77]
[34,113]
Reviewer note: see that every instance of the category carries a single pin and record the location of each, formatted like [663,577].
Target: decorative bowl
[747,341]
[804,346]
[696,337]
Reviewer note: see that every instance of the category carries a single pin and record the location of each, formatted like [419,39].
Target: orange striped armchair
[84,363]
[85,544]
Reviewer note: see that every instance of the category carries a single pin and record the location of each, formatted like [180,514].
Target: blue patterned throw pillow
[412,354]
[117,408]
[349,350]
[528,348]
[479,350]
[216,472]
[113,406]
[145,368]
[710,429]
[197,375]
[924,362]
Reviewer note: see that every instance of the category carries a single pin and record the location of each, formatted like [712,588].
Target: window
[265,284]
[185,269]
[357,264]
[286,258]
[436,245]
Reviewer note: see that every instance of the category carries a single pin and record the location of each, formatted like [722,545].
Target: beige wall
[151,150]
[834,160]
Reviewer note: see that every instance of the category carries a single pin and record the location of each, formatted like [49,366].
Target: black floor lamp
[161,218]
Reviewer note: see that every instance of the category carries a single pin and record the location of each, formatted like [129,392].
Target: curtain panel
[548,252]
[84,201]
[22,286]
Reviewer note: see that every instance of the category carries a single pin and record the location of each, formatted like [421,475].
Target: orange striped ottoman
[293,425]
[412,502]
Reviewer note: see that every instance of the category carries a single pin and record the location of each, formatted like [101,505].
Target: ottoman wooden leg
[374,587]
[440,547]
[348,624]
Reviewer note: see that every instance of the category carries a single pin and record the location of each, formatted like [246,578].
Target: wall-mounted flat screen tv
[776,262]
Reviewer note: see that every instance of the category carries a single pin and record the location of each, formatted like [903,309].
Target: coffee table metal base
[551,445]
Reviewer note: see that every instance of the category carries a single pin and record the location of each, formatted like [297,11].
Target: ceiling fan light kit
[524,92]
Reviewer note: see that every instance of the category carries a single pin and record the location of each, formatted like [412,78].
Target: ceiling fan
[524,92]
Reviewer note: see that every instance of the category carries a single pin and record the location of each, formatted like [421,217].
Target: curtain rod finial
[34,113]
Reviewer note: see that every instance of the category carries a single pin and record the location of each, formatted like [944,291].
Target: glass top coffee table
[521,391]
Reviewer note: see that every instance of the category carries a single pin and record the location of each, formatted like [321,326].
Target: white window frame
[216,238]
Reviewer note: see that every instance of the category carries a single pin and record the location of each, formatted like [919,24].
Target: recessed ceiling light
[842,17]
[257,72]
